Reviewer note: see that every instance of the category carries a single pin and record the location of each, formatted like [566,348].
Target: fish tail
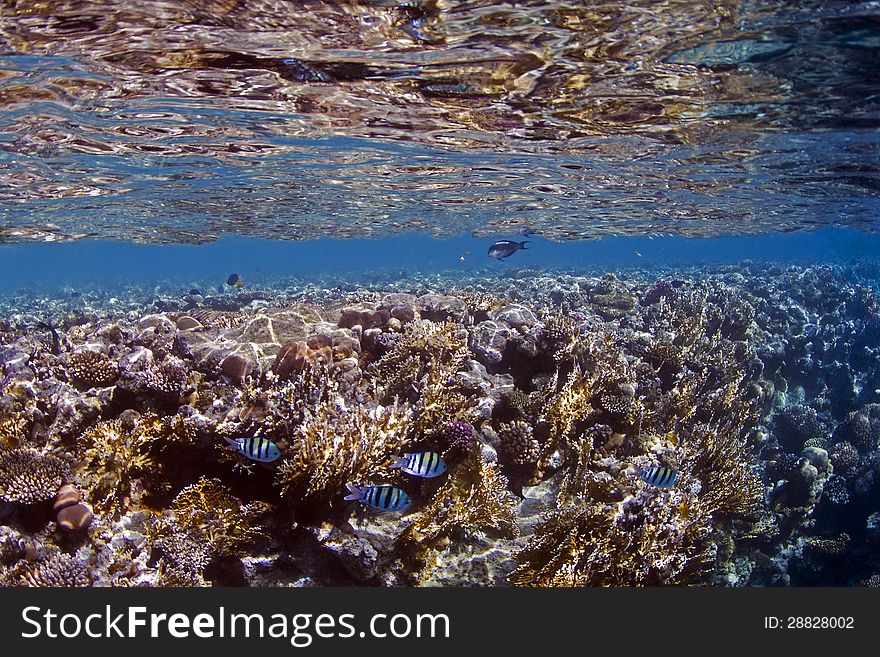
[522,244]
[231,442]
[355,493]
[399,462]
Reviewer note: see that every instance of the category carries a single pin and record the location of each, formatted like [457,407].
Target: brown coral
[27,476]
[57,570]
[518,445]
[93,368]
[334,448]
[166,377]
[474,498]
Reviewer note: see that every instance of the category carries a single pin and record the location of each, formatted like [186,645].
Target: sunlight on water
[184,121]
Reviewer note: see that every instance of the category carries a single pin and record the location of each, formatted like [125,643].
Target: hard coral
[57,570]
[93,368]
[336,447]
[650,538]
[113,457]
[166,377]
[518,445]
[27,476]
[473,499]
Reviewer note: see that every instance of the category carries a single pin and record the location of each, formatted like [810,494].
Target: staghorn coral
[14,429]
[56,570]
[27,476]
[92,368]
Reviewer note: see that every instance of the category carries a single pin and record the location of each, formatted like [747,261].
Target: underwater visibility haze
[439,293]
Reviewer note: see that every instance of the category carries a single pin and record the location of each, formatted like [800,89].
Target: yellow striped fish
[421,464]
[384,498]
[255,448]
[659,476]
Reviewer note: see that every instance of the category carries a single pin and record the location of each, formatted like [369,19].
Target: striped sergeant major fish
[421,464]
[255,448]
[660,476]
[384,498]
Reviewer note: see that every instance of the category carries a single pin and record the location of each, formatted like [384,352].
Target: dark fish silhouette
[235,281]
[504,248]
[56,342]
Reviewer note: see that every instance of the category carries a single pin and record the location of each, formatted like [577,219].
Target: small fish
[659,476]
[384,498]
[464,256]
[255,448]
[421,464]
[526,231]
[303,72]
[56,341]
[235,281]
[504,248]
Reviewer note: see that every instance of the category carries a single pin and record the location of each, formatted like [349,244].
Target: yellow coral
[228,525]
[336,447]
[474,498]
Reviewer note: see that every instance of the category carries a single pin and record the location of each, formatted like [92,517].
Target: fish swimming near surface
[235,281]
[526,231]
[660,476]
[504,248]
[421,464]
[255,448]
[384,498]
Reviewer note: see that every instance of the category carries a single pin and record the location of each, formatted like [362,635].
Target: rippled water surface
[185,121]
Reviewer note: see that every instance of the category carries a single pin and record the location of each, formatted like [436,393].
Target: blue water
[50,267]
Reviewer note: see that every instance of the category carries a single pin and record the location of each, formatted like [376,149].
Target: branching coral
[610,528]
[113,457]
[206,522]
[57,570]
[473,499]
[92,368]
[335,447]
[650,538]
[27,476]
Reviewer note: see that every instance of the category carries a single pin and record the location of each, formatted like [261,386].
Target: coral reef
[548,395]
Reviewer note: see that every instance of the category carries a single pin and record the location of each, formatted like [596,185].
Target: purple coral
[459,436]
[660,288]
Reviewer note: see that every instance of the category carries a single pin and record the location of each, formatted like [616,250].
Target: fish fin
[355,493]
[522,244]
[399,462]
[231,442]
